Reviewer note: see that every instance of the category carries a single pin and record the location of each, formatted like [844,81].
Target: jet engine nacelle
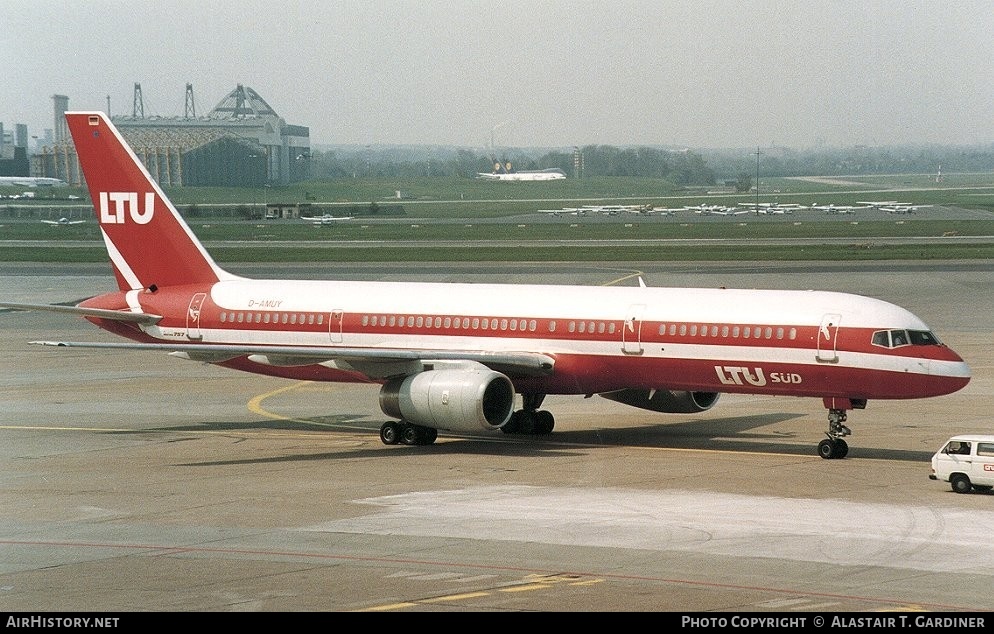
[666,401]
[457,400]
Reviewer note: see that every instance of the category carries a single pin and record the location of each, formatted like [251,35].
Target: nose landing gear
[833,446]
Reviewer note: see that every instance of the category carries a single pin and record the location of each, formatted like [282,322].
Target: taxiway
[135,482]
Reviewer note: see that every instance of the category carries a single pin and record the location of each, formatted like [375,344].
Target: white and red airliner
[454,357]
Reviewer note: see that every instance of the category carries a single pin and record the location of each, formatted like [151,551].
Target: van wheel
[960,483]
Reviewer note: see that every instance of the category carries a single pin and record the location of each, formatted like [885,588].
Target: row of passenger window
[456,323]
[483,323]
[598,327]
[309,319]
[506,324]
[736,332]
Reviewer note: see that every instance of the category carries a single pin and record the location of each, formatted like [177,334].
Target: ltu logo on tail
[125,206]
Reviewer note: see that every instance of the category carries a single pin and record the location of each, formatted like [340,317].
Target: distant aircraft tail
[148,242]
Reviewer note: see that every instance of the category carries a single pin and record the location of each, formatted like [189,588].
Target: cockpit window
[923,338]
[897,338]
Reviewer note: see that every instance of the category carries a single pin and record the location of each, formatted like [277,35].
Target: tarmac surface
[135,482]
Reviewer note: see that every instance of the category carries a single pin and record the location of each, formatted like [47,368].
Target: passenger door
[828,334]
[631,330]
[335,325]
[193,317]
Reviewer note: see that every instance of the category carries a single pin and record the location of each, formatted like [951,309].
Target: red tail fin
[147,240]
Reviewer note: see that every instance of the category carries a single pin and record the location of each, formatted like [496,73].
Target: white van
[966,462]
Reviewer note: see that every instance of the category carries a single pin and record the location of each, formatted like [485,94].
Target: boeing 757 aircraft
[454,357]
[504,173]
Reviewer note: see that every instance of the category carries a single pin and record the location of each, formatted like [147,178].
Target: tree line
[683,167]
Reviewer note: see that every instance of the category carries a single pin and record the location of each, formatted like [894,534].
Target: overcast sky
[526,73]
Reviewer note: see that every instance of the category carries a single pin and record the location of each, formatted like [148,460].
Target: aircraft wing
[103,313]
[376,363]
[373,362]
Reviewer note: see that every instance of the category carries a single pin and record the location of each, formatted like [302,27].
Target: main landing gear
[529,419]
[405,433]
[833,446]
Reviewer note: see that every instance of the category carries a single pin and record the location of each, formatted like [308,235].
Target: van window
[985,448]
[958,447]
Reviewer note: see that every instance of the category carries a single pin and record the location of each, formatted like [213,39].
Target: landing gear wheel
[390,433]
[544,422]
[826,449]
[529,419]
[833,446]
[428,435]
[513,424]
[409,434]
[526,422]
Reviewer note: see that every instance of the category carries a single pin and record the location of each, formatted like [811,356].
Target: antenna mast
[191,110]
[138,106]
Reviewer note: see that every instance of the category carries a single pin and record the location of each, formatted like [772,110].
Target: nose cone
[948,374]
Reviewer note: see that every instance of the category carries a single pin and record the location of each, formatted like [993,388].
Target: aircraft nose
[950,375]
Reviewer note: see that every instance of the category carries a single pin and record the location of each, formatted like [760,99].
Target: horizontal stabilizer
[202,357]
[145,319]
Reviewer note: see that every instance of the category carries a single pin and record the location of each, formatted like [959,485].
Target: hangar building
[242,142]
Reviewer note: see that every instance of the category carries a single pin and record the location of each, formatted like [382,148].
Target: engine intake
[666,401]
[457,400]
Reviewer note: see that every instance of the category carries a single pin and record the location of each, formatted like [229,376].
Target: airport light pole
[255,194]
[757,181]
